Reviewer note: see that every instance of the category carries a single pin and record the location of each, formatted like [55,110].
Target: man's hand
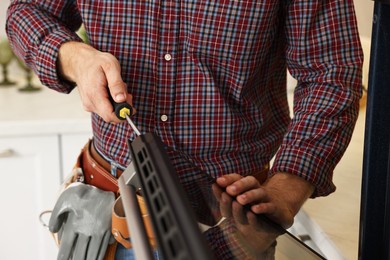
[280,198]
[245,229]
[96,74]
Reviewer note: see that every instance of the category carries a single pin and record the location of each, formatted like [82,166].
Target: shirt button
[167,57]
[164,118]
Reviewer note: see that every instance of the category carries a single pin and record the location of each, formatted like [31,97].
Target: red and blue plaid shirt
[209,77]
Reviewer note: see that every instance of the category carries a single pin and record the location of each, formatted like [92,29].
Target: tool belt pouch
[119,224]
[89,171]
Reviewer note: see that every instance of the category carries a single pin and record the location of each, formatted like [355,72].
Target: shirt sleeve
[324,55]
[37,29]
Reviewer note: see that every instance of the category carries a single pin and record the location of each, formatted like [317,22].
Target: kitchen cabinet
[30,174]
[39,143]
[31,171]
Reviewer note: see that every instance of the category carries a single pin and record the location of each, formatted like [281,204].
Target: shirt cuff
[308,165]
[46,59]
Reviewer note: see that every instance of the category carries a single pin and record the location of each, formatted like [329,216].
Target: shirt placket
[167,62]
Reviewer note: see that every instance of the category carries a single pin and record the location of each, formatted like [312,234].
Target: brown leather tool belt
[97,171]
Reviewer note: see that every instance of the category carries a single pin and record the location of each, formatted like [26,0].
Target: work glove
[82,214]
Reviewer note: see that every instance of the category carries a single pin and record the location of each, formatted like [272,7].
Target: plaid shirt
[209,77]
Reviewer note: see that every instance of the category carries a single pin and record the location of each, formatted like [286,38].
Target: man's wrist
[291,189]
[68,56]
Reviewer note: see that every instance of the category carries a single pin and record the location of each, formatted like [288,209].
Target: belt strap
[102,161]
[110,252]
[94,172]
[119,224]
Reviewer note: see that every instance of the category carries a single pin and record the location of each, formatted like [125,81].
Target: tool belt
[96,172]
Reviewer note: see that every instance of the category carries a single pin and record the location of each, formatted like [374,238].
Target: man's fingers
[267,208]
[253,196]
[242,185]
[225,205]
[94,97]
[118,91]
[252,219]
[239,213]
[216,191]
[228,179]
[105,110]
[117,87]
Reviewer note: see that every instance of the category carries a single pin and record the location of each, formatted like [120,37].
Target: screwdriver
[123,111]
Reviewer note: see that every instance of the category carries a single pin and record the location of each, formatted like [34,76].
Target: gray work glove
[83,213]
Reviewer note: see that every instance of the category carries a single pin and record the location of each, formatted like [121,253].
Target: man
[209,77]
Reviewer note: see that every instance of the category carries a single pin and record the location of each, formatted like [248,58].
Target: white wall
[3,9]
[364,11]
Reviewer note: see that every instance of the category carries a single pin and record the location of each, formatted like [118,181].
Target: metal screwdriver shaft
[135,129]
